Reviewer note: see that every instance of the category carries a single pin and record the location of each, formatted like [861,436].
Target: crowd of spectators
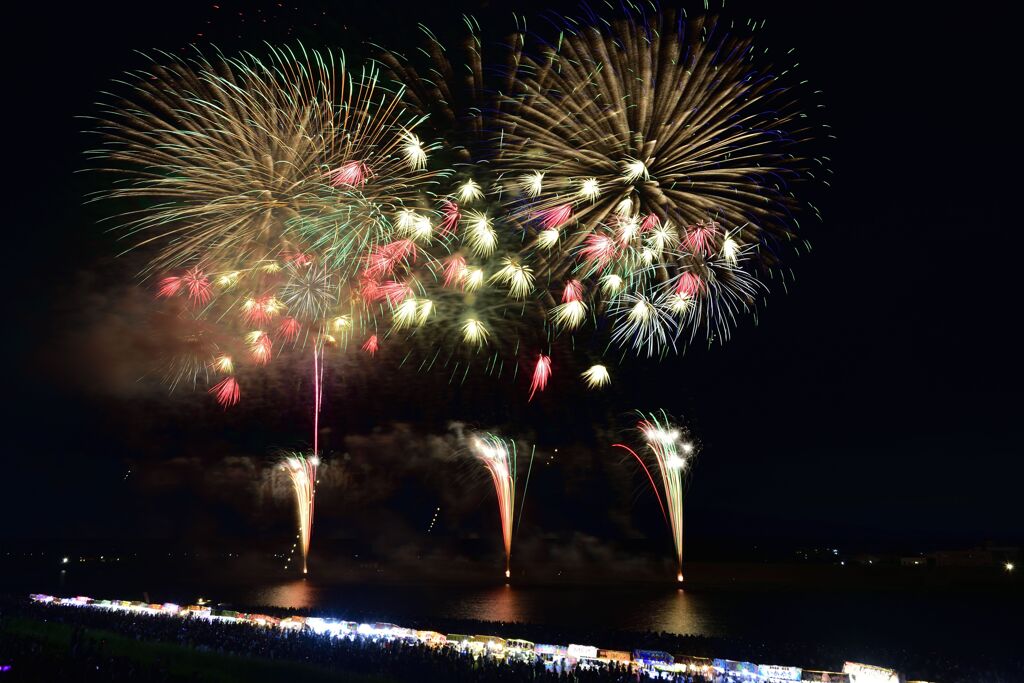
[87,658]
[997,663]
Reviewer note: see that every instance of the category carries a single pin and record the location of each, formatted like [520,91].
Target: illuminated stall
[200,611]
[648,658]
[329,627]
[491,645]
[615,656]
[263,620]
[736,671]
[524,650]
[294,623]
[431,638]
[458,641]
[555,657]
[695,665]
[824,676]
[584,656]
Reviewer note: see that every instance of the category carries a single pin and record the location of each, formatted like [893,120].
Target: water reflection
[674,611]
[677,612]
[298,594]
[503,603]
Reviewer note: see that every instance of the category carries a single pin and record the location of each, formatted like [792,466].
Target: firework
[488,300]
[596,376]
[541,375]
[194,282]
[239,159]
[310,292]
[449,86]
[517,277]
[658,155]
[501,460]
[633,176]
[643,321]
[371,345]
[474,332]
[669,451]
[263,190]
[226,392]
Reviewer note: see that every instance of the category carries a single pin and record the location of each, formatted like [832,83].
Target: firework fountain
[669,451]
[302,469]
[500,458]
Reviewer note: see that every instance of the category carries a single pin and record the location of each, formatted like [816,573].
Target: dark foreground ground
[39,650]
[45,643]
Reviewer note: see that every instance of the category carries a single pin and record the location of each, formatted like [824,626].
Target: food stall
[555,657]
[431,638]
[520,649]
[734,670]
[615,656]
[648,658]
[824,676]
[293,622]
[695,665]
[584,656]
[492,645]
[458,641]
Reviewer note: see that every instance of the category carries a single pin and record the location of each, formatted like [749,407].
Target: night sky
[874,404]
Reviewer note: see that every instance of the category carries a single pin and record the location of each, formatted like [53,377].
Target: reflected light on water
[504,603]
[679,612]
[299,594]
[672,610]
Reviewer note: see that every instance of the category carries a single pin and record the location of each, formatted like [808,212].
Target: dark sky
[875,403]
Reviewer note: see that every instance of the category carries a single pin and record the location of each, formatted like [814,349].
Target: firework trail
[318,394]
[669,451]
[500,458]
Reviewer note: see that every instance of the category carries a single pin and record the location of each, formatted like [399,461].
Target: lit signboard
[578,651]
[866,673]
[779,673]
[648,657]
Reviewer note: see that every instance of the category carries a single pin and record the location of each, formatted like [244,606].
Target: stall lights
[573,655]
